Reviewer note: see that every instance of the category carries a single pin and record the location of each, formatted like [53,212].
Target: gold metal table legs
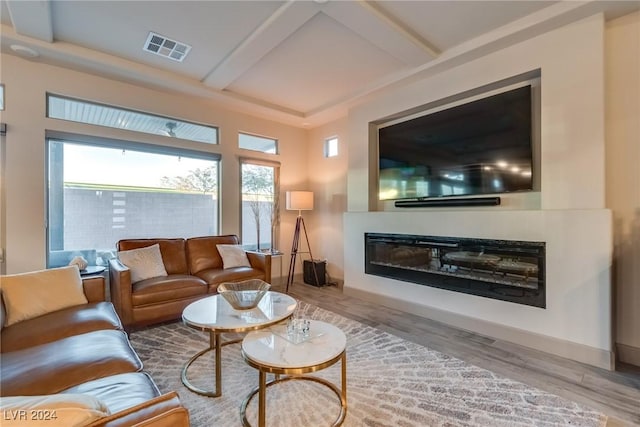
[215,344]
[293,375]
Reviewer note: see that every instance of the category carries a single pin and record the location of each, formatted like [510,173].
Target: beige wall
[26,84]
[327,178]
[622,43]
[3,269]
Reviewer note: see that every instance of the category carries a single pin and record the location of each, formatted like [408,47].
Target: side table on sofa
[275,254]
[92,270]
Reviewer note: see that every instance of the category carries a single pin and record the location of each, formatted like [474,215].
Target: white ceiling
[298,62]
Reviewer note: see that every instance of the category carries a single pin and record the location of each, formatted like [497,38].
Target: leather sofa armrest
[94,288]
[261,261]
[120,287]
[162,411]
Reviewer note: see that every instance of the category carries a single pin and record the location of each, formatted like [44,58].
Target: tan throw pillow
[69,410]
[33,294]
[144,263]
[233,256]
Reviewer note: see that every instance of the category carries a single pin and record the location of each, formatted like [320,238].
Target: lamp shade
[299,200]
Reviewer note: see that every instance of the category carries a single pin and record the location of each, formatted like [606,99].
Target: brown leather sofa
[194,270]
[83,350]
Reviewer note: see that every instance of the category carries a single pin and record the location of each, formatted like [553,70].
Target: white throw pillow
[69,410]
[144,263]
[33,294]
[233,256]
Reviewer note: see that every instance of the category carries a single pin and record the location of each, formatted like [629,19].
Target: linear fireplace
[501,269]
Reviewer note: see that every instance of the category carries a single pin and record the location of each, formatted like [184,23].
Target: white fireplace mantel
[576,322]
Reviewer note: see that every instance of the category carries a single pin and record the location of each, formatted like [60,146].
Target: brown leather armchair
[194,270]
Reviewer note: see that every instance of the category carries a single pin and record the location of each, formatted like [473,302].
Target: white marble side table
[215,315]
[269,351]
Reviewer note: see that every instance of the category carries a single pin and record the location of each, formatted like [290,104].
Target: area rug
[390,382]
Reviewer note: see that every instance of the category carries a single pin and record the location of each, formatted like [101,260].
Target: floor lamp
[299,201]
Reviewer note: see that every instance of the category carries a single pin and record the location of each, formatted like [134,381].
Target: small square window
[331,147]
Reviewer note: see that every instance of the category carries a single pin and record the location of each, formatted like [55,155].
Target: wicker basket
[244,295]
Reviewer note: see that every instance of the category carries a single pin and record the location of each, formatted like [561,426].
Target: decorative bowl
[244,295]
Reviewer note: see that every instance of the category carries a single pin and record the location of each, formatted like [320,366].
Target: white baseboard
[582,353]
[628,354]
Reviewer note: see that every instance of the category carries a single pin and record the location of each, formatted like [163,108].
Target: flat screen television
[481,147]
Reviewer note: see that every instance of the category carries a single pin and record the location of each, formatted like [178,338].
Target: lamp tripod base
[294,252]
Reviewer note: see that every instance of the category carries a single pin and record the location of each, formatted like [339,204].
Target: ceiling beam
[32,18]
[273,31]
[381,29]
[78,58]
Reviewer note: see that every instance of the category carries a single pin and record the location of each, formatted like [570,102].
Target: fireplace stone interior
[506,270]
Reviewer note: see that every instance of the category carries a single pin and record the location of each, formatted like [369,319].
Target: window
[75,110]
[102,191]
[260,204]
[331,147]
[258,143]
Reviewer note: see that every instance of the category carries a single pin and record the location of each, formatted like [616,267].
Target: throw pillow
[33,294]
[144,263]
[73,410]
[233,256]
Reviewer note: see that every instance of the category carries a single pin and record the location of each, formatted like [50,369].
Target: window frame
[276,143]
[50,95]
[116,144]
[275,234]
[327,148]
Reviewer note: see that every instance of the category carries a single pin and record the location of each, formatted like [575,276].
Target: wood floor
[616,394]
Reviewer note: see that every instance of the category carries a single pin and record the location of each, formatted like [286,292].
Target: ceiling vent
[163,46]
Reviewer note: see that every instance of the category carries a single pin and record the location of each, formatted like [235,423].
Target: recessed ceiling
[298,62]
[324,68]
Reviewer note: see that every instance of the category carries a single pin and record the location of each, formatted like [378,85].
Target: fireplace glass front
[501,269]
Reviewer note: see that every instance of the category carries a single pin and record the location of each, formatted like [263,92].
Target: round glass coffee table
[275,351]
[215,315]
